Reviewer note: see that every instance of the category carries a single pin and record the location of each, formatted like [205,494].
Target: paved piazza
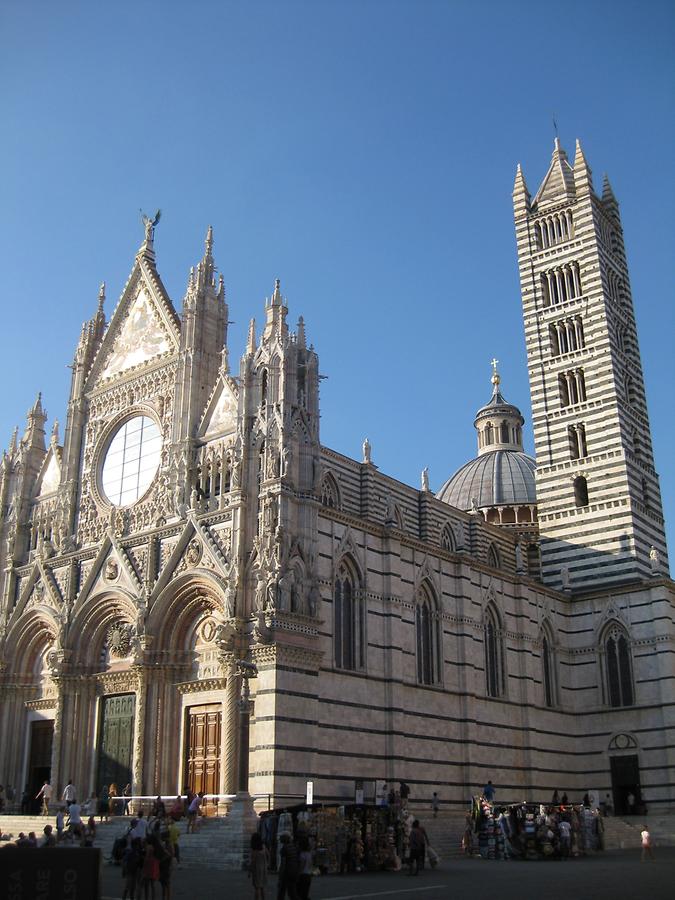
[613,875]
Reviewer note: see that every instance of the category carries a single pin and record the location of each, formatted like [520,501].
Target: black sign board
[58,873]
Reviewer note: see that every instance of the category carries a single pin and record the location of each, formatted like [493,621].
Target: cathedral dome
[502,475]
[497,478]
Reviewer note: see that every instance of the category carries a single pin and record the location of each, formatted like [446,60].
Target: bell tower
[599,501]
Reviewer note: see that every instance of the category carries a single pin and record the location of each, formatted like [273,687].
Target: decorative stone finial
[101,296]
[209,241]
[55,432]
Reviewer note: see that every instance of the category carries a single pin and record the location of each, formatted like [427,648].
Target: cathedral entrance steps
[13,824]
[661,828]
[620,835]
[205,848]
[444,832]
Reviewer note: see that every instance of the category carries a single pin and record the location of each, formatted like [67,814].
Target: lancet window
[349,619]
[447,537]
[548,668]
[427,638]
[493,558]
[619,674]
[494,656]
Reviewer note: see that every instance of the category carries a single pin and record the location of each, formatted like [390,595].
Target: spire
[608,198]
[558,183]
[36,411]
[97,324]
[250,343]
[35,425]
[521,195]
[583,177]
[275,314]
[302,340]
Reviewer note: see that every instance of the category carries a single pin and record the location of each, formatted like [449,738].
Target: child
[646,843]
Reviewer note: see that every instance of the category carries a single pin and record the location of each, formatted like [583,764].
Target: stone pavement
[613,875]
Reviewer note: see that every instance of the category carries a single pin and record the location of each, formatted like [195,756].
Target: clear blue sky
[364,153]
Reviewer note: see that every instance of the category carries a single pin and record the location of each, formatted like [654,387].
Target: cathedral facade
[191,559]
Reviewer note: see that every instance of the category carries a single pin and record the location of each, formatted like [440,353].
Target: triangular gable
[144,327]
[222,410]
[50,473]
[111,569]
[196,548]
[40,589]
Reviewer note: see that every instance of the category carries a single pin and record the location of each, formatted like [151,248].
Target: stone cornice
[195,687]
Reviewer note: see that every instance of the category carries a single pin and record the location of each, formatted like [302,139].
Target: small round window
[132,461]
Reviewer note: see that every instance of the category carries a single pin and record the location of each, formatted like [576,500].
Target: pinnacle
[209,242]
[250,343]
[520,187]
[101,296]
[276,296]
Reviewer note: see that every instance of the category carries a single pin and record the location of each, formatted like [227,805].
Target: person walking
[258,866]
[126,796]
[489,792]
[435,803]
[417,842]
[646,843]
[288,869]
[304,868]
[45,793]
[193,812]
[69,793]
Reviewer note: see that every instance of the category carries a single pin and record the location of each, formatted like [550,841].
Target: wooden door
[202,752]
[115,742]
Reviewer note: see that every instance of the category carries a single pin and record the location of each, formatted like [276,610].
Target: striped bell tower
[599,502]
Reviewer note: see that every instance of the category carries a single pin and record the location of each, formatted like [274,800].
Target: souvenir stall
[346,838]
[533,831]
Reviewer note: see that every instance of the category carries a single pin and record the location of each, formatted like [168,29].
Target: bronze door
[39,757]
[202,752]
[115,742]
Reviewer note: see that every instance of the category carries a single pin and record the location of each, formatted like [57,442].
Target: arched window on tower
[494,657]
[349,619]
[580,491]
[426,634]
[504,428]
[619,674]
[489,433]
